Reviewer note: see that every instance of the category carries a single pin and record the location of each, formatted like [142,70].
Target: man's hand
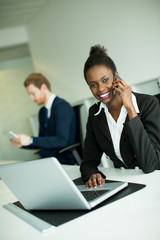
[20,140]
[15,142]
[94,180]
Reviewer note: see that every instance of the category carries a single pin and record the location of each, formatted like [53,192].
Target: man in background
[57,122]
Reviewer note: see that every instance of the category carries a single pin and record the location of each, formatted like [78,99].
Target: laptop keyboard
[93,194]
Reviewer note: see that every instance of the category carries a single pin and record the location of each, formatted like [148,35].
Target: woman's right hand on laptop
[94,180]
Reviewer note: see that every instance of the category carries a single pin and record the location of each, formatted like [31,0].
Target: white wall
[61,35]
[15,106]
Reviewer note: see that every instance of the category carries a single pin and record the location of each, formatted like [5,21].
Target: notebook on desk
[43,184]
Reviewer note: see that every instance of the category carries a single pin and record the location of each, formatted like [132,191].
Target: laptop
[44,184]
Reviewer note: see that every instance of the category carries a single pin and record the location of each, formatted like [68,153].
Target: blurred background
[54,37]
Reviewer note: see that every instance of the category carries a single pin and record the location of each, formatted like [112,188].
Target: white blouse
[117,127]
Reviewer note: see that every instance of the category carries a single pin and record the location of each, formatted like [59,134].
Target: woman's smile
[104,96]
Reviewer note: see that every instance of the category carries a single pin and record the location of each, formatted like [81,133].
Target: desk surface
[136,216]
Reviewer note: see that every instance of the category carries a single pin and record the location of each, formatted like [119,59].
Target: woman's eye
[105,80]
[92,85]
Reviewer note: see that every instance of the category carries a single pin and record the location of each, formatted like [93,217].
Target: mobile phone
[117,76]
[10,134]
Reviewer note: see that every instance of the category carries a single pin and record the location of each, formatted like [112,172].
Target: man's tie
[45,120]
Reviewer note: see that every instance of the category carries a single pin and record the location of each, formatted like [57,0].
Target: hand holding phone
[124,91]
[10,134]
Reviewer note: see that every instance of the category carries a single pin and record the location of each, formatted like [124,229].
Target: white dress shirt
[117,127]
[49,103]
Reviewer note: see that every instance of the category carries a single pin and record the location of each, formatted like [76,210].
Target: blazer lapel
[124,134]
[103,125]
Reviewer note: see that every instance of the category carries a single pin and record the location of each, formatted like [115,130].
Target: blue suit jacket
[61,131]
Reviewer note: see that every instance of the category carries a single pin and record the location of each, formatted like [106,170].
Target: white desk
[136,216]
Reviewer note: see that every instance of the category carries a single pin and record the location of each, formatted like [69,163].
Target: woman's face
[100,80]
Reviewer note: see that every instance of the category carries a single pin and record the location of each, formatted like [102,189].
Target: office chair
[158,97]
[77,148]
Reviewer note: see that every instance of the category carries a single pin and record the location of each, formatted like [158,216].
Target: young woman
[123,124]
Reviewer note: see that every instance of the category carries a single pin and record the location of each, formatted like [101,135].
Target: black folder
[59,217]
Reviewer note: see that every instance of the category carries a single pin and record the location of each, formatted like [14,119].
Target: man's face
[36,95]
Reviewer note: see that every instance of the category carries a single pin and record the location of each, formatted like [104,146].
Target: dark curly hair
[98,56]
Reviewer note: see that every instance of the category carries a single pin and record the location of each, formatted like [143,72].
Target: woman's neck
[114,107]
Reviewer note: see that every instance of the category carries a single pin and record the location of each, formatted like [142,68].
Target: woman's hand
[94,180]
[126,94]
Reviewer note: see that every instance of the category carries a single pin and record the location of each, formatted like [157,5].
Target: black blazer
[139,143]
[61,131]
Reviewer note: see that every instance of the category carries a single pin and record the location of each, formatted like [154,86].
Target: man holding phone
[57,122]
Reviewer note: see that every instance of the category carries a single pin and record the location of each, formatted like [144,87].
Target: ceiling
[18,12]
